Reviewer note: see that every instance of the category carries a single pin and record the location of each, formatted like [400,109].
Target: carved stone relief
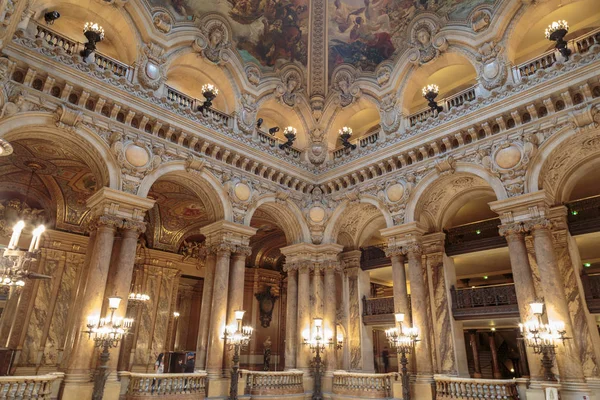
[213,40]
[426,42]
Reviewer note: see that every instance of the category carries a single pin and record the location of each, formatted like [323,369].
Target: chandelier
[136,295]
[13,271]
[237,337]
[403,339]
[109,331]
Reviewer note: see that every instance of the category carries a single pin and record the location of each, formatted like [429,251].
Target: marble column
[205,310]
[120,275]
[330,315]
[475,351]
[317,292]
[524,284]
[523,358]
[291,318]
[557,309]
[419,309]
[304,322]
[218,315]
[399,279]
[235,300]
[92,298]
[495,363]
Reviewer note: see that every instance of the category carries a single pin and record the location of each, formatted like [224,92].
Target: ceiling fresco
[365,33]
[267,242]
[61,177]
[177,212]
[267,32]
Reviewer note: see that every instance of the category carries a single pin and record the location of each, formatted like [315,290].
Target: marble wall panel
[146,321]
[442,321]
[163,314]
[429,318]
[354,319]
[55,342]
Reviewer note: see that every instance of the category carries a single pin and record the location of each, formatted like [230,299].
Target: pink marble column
[92,298]
[205,310]
[235,299]
[524,285]
[557,309]
[317,291]
[495,364]
[291,318]
[399,278]
[330,314]
[218,316]
[304,322]
[120,275]
[475,351]
[419,304]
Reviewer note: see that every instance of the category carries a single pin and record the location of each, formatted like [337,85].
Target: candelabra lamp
[290,134]
[210,92]
[430,92]
[345,134]
[94,33]
[543,338]
[316,342]
[556,32]
[13,270]
[237,338]
[403,339]
[106,333]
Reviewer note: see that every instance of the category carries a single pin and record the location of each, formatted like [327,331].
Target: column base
[422,387]
[218,388]
[77,390]
[327,383]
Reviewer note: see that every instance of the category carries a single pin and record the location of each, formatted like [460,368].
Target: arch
[43,125]
[561,162]
[466,177]
[362,116]
[288,215]
[340,217]
[276,114]
[202,180]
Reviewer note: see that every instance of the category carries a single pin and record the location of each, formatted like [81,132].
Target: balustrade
[460,98]
[465,388]
[271,383]
[38,387]
[370,386]
[477,236]
[591,288]
[180,386]
[373,257]
[484,302]
[116,67]
[378,305]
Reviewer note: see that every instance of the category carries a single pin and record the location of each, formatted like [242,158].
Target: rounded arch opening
[362,117]
[276,115]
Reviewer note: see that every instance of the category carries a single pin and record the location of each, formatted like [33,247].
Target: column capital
[136,226]
[393,251]
[537,224]
[414,249]
[242,251]
[522,208]
[121,205]
[315,254]
[227,236]
[350,259]
[511,230]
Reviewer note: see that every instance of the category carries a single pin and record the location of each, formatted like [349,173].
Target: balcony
[478,236]
[362,142]
[591,288]
[380,310]
[584,215]
[367,386]
[372,257]
[447,387]
[497,301]
[447,104]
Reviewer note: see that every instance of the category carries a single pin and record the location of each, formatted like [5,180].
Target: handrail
[369,137]
[274,382]
[273,141]
[28,387]
[372,386]
[448,387]
[153,385]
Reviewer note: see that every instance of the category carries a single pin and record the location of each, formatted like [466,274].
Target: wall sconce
[403,339]
[430,92]
[94,33]
[51,16]
[237,337]
[556,32]
[209,91]
[290,134]
[345,134]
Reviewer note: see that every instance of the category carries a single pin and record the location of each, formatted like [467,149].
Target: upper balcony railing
[373,257]
[73,47]
[584,215]
[272,141]
[476,236]
[369,138]
[591,288]
[545,60]
[447,103]
[380,310]
[485,302]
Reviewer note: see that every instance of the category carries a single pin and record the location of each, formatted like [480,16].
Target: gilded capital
[413,249]
[511,230]
[392,251]
[537,224]
[138,226]
[242,251]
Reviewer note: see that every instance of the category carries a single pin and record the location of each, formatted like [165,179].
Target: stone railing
[116,67]
[369,386]
[273,383]
[484,302]
[40,387]
[548,58]
[465,388]
[447,104]
[368,138]
[272,141]
[174,386]
[180,98]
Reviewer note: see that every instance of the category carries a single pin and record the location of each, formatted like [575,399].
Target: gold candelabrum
[403,339]
[543,338]
[237,338]
[317,343]
[106,334]
[13,271]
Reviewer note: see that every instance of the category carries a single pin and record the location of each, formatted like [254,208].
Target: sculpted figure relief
[287,90]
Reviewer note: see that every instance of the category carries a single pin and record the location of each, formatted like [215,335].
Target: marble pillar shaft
[330,314]
[235,299]
[91,301]
[304,323]
[420,311]
[291,315]
[475,351]
[317,294]
[524,288]
[400,288]
[218,316]
[495,364]
[557,309]
[205,311]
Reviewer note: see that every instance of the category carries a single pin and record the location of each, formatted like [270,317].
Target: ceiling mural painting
[177,211]
[269,33]
[267,242]
[365,33]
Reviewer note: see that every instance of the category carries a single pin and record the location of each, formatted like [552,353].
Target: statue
[190,250]
[267,354]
